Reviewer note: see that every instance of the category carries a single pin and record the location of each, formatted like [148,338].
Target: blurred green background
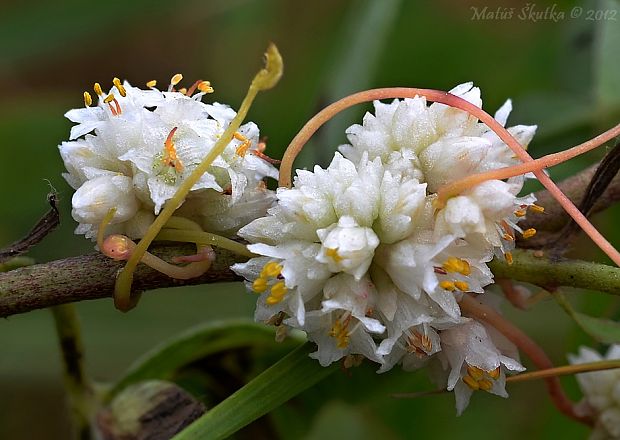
[563,75]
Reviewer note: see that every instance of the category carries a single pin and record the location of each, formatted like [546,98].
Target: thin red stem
[453,101]
[458,186]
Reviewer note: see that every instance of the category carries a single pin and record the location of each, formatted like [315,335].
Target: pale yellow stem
[266,78]
[566,370]
[204,238]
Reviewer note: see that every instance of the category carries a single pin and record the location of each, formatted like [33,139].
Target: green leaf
[601,329]
[287,378]
[164,360]
[607,65]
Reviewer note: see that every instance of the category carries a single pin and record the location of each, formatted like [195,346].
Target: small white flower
[347,247]
[601,391]
[151,141]
[359,256]
[476,361]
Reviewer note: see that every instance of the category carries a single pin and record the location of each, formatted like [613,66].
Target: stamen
[98,90]
[170,157]
[271,269]
[245,144]
[494,373]
[447,285]
[183,91]
[475,372]
[508,237]
[340,333]
[458,265]
[538,209]
[440,270]
[259,285]
[462,286]
[176,78]
[278,291]
[485,385]
[427,343]
[508,256]
[119,86]
[520,213]
[471,382]
[88,100]
[205,87]
[108,100]
[151,83]
[529,233]
[333,254]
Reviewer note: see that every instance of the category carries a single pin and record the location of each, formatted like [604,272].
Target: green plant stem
[565,370]
[287,378]
[264,79]
[77,385]
[548,273]
[205,238]
[16,263]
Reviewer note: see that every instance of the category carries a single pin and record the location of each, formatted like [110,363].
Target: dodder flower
[363,257]
[601,391]
[134,148]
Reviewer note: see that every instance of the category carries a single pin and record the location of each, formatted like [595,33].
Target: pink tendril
[453,101]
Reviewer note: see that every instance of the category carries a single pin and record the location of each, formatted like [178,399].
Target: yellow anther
[170,157]
[183,91]
[272,269]
[427,343]
[508,237]
[97,88]
[119,86]
[88,100]
[485,385]
[508,256]
[471,382]
[278,290]
[458,265]
[177,78]
[340,333]
[520,212]
[475,372]
[494,373]
[537,208]
[108,99]
[151,83]
[333,254]
[245,144]
[462,286]
[529,233]
[259,285]
[272,300]
[205,87]
[447,285]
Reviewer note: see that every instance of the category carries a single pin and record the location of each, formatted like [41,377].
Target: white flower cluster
[132,151]
[601,392]
[360,257]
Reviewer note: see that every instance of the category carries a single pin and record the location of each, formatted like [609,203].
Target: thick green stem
[548,273]
[77,385]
